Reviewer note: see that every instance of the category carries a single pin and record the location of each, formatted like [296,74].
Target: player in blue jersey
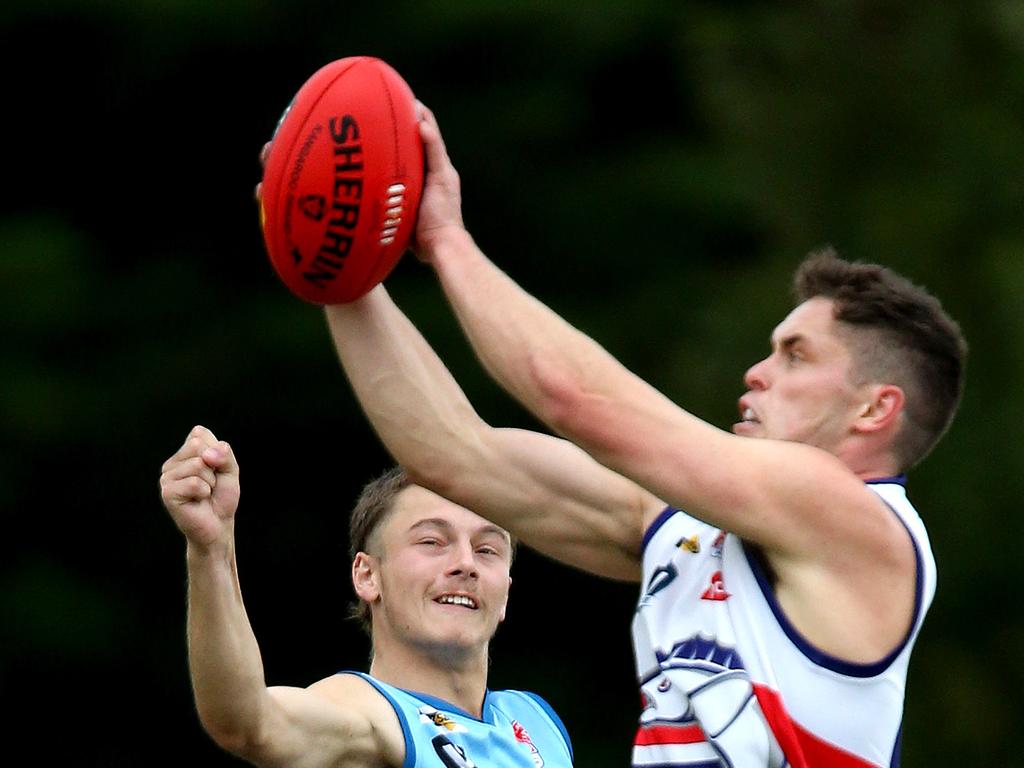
[432,580]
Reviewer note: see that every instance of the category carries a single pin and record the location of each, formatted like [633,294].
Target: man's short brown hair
[373,507]
[898,333]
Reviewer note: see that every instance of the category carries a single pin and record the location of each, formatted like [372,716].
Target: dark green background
[654,170]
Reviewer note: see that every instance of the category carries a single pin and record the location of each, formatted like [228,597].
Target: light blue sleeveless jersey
[517,730]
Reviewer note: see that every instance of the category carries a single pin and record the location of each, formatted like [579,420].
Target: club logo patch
[691,544]
[430,715]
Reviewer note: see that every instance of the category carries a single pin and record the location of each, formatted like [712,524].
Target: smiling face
[804,391]
[436,576]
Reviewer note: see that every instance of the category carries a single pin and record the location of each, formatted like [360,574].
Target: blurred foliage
[652,169]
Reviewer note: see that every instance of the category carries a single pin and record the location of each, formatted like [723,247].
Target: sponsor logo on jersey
[452,755]
[524,738]
[716,591]
[661,578]
[717,544]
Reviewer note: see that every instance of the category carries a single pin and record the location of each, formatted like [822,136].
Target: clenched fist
[199,486]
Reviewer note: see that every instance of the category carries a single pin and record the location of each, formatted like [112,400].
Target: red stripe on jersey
[669,734]
[803,749]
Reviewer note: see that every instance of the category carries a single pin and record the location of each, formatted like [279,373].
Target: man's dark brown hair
[898,333]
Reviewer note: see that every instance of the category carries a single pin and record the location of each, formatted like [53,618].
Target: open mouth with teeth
[462,600]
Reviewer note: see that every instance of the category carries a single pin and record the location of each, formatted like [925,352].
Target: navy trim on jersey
[819,657]
[554,718]
[895,480]
[895,762]
[659,521]
[410,745]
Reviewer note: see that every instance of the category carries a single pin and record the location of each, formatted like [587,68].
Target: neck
[868,465]
[454,675]
[872,470]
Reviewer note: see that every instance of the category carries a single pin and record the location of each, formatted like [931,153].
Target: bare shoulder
[353,693]
[799,501]
[850,587]
[341,721]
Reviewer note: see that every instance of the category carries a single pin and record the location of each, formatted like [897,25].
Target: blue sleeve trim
[652,529]
[819,657]
[554,718]
[410,745]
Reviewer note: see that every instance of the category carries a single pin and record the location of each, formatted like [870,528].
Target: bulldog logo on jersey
[524,738]
[430,715]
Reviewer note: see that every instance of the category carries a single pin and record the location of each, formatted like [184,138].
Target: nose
[756,377]
[463,560]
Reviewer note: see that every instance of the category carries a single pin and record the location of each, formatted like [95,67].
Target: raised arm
[769,492]
[277,726]
[565,378]
[548,492]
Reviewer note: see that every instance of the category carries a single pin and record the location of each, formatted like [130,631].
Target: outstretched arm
[548,492]
[267,726]
[573,385]
[766,491]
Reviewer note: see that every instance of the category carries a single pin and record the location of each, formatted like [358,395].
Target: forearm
[224,657]
[411,399]
[572,384]
[525,346]
[548,492]
[561,375]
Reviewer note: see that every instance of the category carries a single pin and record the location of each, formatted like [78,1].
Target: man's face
[804,390]
[443,574]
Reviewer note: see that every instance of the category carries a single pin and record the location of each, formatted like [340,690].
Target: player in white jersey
[778,612]
[723,673]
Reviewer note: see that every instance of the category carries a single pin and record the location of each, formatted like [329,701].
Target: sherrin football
[342,181]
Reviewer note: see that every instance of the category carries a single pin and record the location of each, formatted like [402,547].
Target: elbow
[232,740]
[560,394]
[443,464]
[579,407]
[433,475]
[230,735]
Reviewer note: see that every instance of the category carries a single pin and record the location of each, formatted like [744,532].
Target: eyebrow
[442,523]
[788,342]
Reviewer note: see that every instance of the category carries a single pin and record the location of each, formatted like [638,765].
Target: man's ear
[882,408]
[366,577]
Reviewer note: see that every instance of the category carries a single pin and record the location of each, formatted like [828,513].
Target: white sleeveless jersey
[726,680]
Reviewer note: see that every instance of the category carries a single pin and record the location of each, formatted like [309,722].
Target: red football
[342,181]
